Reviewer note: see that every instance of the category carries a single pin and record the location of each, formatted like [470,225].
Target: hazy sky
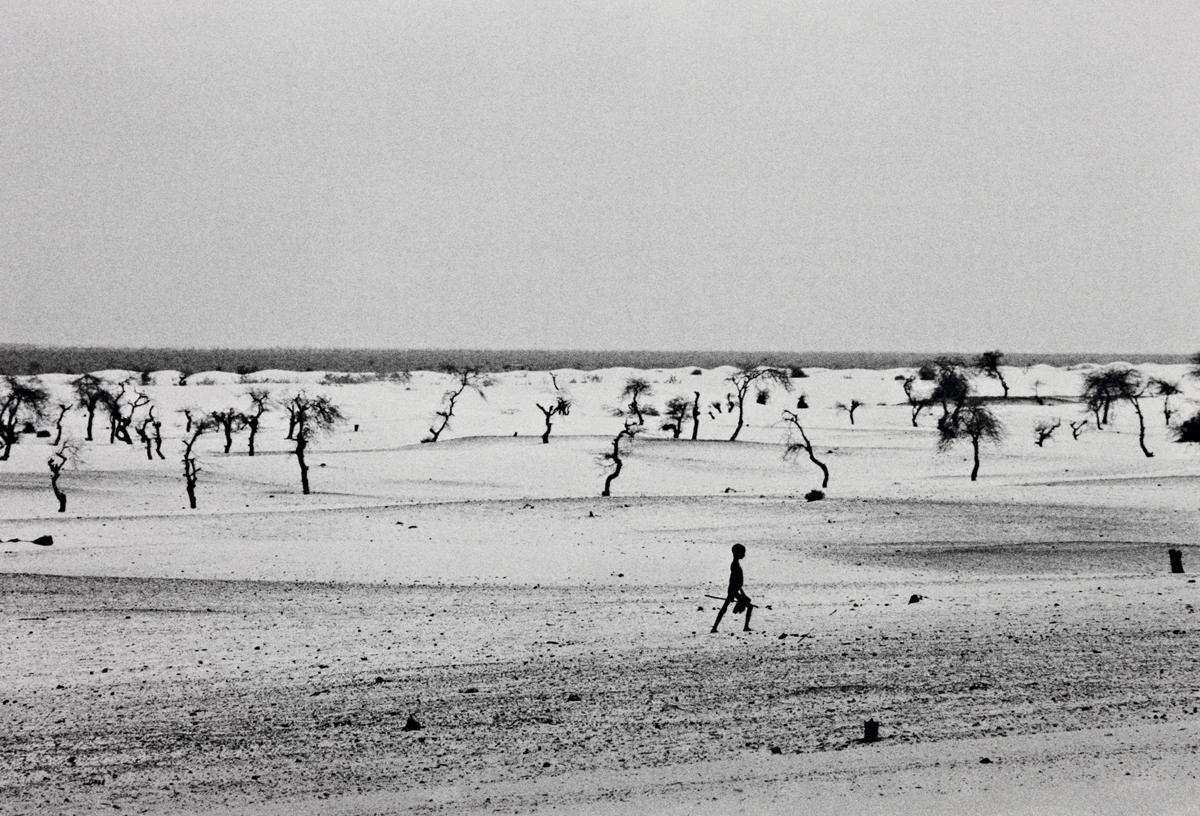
[718,175]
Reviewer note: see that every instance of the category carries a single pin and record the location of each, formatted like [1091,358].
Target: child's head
[739,551]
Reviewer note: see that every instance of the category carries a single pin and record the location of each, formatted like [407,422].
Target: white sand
[1052,640]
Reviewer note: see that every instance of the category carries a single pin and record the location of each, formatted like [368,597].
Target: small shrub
[762,396]
[797,372]
[672,379]
[696,372]
[802,402]
[927,372]
[814,495]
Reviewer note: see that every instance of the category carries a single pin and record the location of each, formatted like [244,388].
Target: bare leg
[721,614]
[749,609]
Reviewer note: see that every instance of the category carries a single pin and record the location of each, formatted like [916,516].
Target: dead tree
[794,447]
[89,391]
[635,389]
[560,407]
[988,364]
[187,415]
[465,379]
[62,412]
[696,416]
[66,454]
[974,422]
[259,400]
[1045,429]
[630,430]
[747,375]
[19,401]
[676,412]
[227,420]
[314,416]
[1077,428]
[849,409]
[191,470]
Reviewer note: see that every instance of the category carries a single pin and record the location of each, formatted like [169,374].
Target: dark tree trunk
[252,426]
[696,417]
[1141,428]
[546,433]
[917,408]
[58,425]
[291,434]
[91,415]
[58,494]
[741,409]
[158,440]
[191,491]
[853,408]
[975,450]
[301,444]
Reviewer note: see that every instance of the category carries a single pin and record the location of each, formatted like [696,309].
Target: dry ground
[263,654]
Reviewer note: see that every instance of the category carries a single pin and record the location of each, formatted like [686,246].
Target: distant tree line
[33,359]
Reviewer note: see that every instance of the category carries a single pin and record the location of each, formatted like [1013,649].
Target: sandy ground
[263,653]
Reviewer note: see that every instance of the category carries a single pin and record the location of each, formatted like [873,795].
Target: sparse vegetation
[794,446]
[465,379]
[20,401]
[988,364]
[1044,429]
[636,388]
[560,407]
[66,453]
[1105,386]
[630,430]
[974,422]
[677,410]
[850,408]
[314,416]
[746,376]
[191,470]
[1166,389]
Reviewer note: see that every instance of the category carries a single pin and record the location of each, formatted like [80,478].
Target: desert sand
[262,653]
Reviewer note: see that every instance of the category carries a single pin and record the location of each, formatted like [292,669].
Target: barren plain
[263,653]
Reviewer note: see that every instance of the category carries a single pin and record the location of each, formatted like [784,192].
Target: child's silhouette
[736,595]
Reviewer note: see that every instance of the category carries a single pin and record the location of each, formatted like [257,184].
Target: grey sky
[902,175]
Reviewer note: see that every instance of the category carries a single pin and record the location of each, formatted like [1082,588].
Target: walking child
[736,595]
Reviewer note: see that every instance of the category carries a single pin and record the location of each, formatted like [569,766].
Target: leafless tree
[696,416]
[259,401]
[465,379]
[974,422]
[62,412]
[187,415]
[89,390]
[746,376]
[1077,427]
[66,453]
[560,407]
[849,409]
[988,364]
[191,470]
[630,430]
[314,416]
[636,388]
[794,446]
[676,412]
[18,401]
[1044,429]
[1166,389]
